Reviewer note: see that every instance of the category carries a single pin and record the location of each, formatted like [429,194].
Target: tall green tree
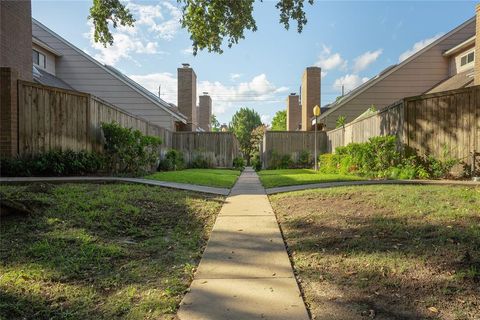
[279,121]
[214,123]
[209,22]
[244,121]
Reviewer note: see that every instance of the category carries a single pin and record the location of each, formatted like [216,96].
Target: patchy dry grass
[385,252]
[94,251]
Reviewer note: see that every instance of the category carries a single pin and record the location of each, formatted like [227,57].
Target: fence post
[9,112]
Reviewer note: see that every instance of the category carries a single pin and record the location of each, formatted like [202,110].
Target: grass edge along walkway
[245,271]
[290,177]
[217,178]
[166,184]
[290,188]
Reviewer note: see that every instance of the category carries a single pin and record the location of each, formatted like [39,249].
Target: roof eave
[106,69]
[43,45]
[400,65]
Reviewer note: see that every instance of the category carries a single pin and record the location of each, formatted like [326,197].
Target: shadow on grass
[116,250]
[358,257]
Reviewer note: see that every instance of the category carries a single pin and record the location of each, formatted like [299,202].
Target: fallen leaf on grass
[433,309]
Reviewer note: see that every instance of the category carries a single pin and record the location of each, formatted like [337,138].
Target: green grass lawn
[222,178]
[90,251]
[385,252]
[290,177]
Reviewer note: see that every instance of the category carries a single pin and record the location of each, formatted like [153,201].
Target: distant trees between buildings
[244,121]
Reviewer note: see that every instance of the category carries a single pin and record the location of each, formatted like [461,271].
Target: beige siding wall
[84,75]
[414,78]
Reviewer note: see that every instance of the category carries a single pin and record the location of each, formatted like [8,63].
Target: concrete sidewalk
[370,182]
[245,272]
[166,184]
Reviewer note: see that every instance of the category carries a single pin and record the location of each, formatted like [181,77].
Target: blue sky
[351,41]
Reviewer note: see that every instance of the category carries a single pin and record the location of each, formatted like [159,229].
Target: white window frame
[41,57]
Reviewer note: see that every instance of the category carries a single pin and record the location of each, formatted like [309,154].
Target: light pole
[316,113]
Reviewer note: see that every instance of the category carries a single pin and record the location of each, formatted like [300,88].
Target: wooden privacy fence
[388,121]
[292,143]
[431,124]
[446,121]
[217,148]
[53,118]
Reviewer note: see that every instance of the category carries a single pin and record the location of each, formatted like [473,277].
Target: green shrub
[201,162]
[286,161]
[53,163]
[305,159]
[239,163]
[128,150]
[256,162]
[377,155]
[172,161]
[379,158]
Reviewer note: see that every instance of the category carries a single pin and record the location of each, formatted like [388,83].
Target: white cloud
[235,76]
[154,17]
[329,61]
[349,81]
[187,51]
[224,97]
[266,119]
[363,61]
[166,80]
[126,42]
[417,46]
[153,22]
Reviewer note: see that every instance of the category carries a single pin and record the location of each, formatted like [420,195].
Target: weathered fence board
[445,122]
[218,148]
[291,143]
[389,121]
[54,118]
[432,124]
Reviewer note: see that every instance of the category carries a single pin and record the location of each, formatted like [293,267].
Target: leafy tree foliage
[215,124]
[209,22]
[341,121]
[104,11]
[279,121]
[242,124]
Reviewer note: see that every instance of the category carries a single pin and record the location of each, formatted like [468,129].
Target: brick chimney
[187,96]
[205,112]
[294,112]
[477,47]
[310,95]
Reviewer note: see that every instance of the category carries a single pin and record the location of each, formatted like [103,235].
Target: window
[39,59]
[466,59]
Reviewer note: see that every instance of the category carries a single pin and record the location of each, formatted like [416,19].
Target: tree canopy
[209,22]
[279,121]
[244,121]
[214,123]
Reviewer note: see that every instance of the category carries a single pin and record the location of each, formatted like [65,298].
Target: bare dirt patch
[385,252]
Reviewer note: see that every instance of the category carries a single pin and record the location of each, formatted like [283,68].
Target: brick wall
[16,37]
[204,112]
[477,47]
[294,112]
[187,96]
[8,112]
[310,95]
